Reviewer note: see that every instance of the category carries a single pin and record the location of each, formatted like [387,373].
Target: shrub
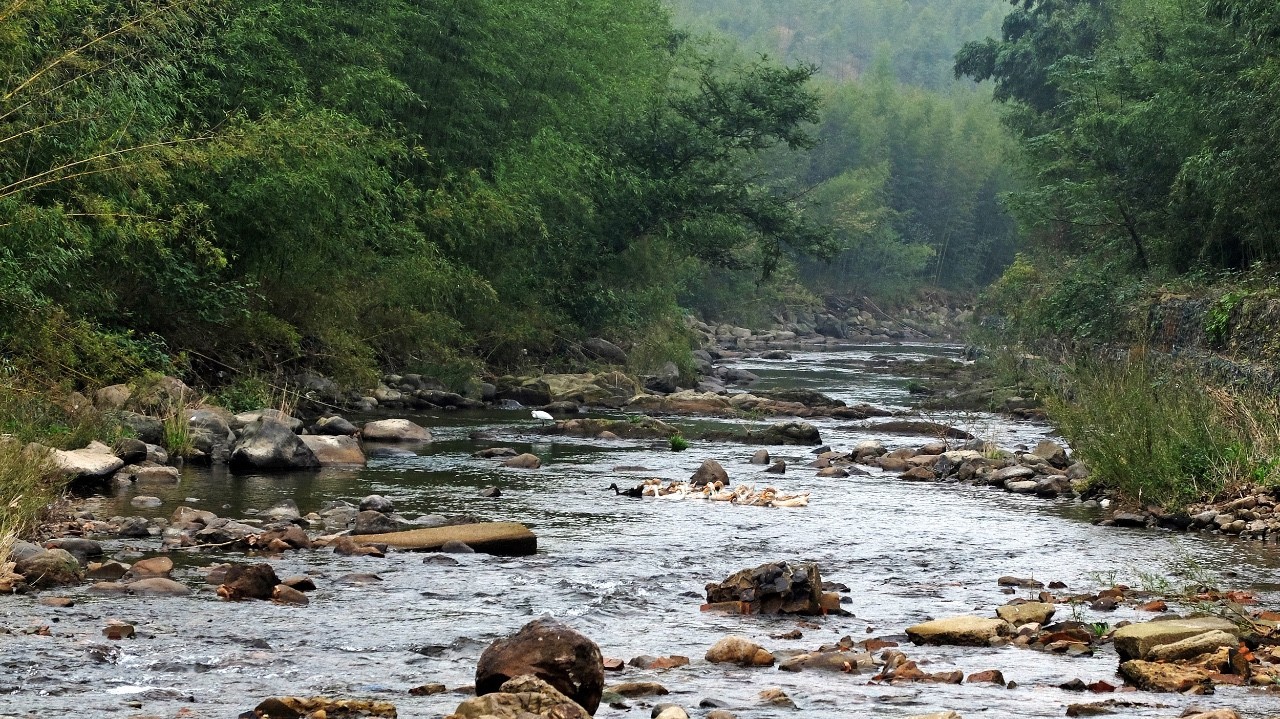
[679,443]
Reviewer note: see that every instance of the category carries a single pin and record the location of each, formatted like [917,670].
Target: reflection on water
[629,573]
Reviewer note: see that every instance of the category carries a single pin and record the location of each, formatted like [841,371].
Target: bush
[29,414]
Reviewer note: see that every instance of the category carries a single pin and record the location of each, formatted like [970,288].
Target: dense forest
[431,185]
[448,186]
[911,163]
[919,38]
[1148,131]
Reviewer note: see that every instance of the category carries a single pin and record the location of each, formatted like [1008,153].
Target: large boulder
[334,449]
[49,568]
[666,381]
[255,581]
[162,396]
[1052,452]
[394,430]
[550,651]
[709,472]
[683,402]
[372,522]
[807,397]
[741,651]
[148,429]
[773,588]
[334,425]
[1191,647]
[96,461]
[966,631]
[270,445]
[604,350]
[523,697]
[1160,677]
[1026,613]
[1137,640]
[640,428]
[112,398]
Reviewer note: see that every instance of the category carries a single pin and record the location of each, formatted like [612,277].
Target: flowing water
[628,573]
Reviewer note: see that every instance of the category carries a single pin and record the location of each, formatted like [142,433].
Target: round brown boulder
[550,651]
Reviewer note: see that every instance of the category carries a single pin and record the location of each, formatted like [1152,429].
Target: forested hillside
[919,38]
[1149,132]
[911,162]
[351,184]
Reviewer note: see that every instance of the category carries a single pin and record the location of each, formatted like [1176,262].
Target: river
[628,573]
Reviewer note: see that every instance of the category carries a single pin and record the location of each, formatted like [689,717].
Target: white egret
[544,416]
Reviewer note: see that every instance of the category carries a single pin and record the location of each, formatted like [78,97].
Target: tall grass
[28,486]
[1162,436]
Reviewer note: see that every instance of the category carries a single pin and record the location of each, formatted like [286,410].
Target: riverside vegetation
[1145,134]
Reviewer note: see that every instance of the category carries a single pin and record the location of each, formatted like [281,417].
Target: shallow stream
[628,573]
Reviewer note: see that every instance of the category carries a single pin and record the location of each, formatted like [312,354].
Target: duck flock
[743,494]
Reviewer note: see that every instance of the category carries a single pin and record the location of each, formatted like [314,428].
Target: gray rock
[271,445]
[1193,646]
[224,531]
[604,350]
[377,503]
[81,549]
[158,587]
[1136,641]
[147,429]
[49,568]
[773,588]
[760,457]
[131,450]
[143,501]
[335,450]
[244,419]
[394,430]
[134,528]
[334,425]
[283,510]
[962,631]
[371,522]
[93,462]
[709,472]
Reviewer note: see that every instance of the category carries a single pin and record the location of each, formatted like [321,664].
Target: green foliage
[908,180]
[1147,126]
[247,393]
[30,413]
[1146,434]
[679,443]
[1081,301]
[1161,436]
[1217,319]
[339,186]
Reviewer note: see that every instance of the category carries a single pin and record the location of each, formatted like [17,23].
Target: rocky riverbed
[408,628]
